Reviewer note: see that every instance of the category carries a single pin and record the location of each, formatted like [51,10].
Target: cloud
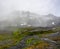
[36,6]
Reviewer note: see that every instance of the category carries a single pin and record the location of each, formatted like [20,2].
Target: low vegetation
[7,40]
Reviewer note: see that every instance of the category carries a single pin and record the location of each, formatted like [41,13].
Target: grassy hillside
[8,40]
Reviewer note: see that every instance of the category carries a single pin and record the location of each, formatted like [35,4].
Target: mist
[29,12]
[36,6]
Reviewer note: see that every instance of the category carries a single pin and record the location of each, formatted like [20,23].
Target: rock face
[39,41]
[52,44]
[26,19]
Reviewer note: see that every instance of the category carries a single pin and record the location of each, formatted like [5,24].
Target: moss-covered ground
[11,39]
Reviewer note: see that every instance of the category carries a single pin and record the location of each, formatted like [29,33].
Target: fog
[36,6]
[31,12]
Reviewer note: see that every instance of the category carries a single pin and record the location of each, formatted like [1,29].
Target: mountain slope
[26,19]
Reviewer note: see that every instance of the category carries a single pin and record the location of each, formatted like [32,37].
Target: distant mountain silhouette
[26,19]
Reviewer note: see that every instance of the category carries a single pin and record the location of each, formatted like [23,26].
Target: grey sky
[36,6]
